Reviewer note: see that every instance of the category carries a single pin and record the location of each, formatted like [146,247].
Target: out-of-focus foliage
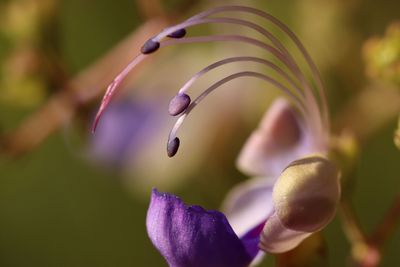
[26,31]
[382,55]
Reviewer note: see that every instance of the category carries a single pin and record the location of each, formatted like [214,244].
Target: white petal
[280,138]
[248,204]
[258,259]
[276,238]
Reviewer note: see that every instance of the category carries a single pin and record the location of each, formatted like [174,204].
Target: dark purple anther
[178,104]
[172,146]
[178,34]
[150,46]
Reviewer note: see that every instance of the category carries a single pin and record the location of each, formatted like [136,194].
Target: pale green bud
[307,193]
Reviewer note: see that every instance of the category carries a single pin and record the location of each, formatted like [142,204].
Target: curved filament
[315,73]
[306,99]
[216,85]
[111,89]
[225,61]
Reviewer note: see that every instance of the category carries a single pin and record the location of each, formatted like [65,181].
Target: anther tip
[149,47]
[178,33]
[173,146]
[178,104]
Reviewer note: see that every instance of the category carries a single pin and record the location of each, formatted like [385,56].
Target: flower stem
[364,253]
[351,224]
[366,249]
[387,225]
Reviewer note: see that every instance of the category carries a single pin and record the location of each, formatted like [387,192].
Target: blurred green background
[59,208]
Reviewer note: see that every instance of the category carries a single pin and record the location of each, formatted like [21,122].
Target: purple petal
[251,240]
[189,236]
[280,139]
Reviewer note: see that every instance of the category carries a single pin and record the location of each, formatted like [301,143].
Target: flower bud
[306,194]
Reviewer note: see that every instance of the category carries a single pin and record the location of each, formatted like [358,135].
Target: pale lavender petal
[189,236]
[276,238]
[280,138]
[248,204]
[126,126]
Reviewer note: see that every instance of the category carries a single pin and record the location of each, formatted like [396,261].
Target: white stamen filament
[290,33]
[114,85]
[315,73]
[313,119]
[312,104]
[225,61]
[288,59]
[216,85]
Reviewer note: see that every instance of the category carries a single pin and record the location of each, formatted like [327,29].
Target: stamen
[114,85]
[238,38]
[313,117]
[173,146]
[111,89]
[178,104]
[289,60]
[318,111]
[225,61]
[314,70]
[315,73]
[179,122]
[180,33]
[150,46]
[266,33]
[234,38]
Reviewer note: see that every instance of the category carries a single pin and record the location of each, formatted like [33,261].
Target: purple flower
[296,188]
[271,213]
[192,236]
